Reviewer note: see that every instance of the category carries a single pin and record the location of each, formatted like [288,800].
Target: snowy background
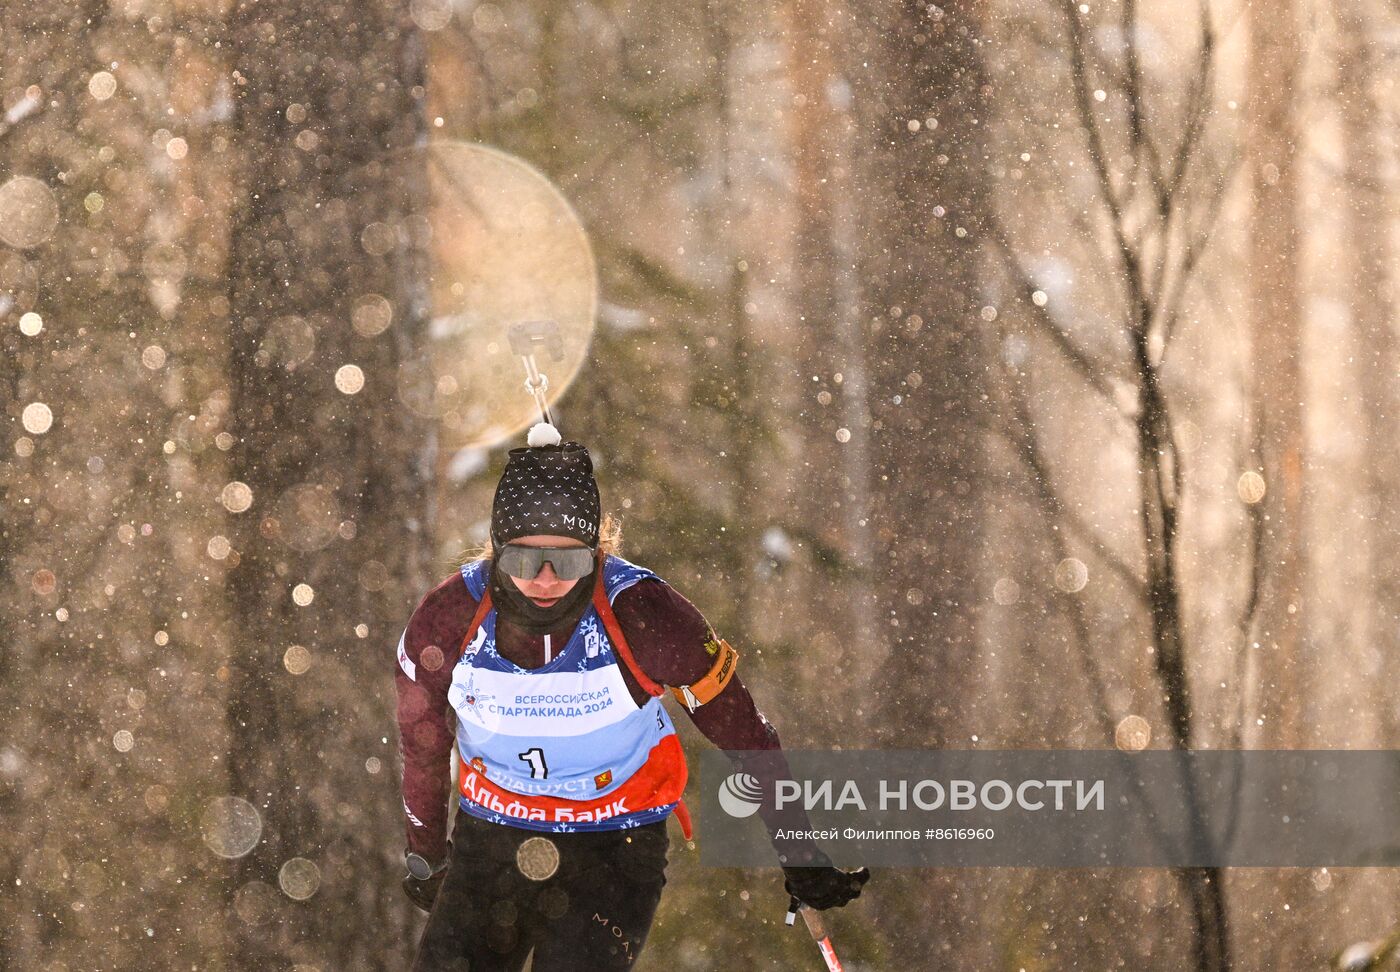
[1013,374]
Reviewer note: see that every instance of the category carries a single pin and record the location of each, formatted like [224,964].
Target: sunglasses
[570,563]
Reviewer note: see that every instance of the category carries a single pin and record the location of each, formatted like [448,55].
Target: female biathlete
[552,655]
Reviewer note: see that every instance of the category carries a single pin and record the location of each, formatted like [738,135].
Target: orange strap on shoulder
[698,693]
[481,611]
[605,611]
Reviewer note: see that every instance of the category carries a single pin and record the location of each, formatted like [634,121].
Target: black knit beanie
[547,490]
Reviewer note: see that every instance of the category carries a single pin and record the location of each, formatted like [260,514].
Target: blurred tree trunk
[923,105]
[185,264]
[1276,327]
[1278,718]
[41,573]
[111,710]
[331,553]
[1372,305]
[834,480]
[735,368]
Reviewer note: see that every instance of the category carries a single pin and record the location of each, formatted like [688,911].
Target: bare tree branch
[1198,99]
[1127,255]
[1194,249]
[1143,148]
[1091,370]
[1022,437]
[1080,84]
[1169,203]
[1036,465]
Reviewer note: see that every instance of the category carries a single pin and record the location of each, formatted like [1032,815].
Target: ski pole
[817,927]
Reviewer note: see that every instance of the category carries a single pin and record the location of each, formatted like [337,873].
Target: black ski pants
[592,914]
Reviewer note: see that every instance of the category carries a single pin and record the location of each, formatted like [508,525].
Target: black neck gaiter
[525,614]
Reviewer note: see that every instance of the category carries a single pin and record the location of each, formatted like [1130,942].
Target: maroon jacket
[667,636]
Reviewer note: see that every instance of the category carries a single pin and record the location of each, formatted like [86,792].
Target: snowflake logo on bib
[473,698]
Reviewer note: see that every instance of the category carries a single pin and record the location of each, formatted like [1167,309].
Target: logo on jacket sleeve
[603,780]
[406,663]
[479,765]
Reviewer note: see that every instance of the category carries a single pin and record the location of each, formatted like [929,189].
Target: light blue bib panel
[562,747]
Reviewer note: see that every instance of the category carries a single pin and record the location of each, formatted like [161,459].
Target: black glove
[824,886]
[422,893]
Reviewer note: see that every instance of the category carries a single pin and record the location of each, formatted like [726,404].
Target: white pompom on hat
[543,434]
